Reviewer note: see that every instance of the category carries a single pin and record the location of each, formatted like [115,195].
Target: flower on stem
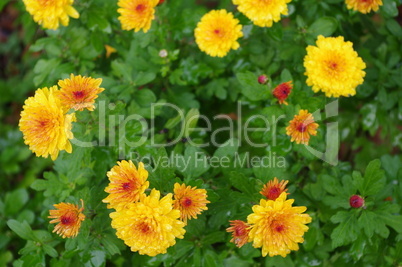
[69,218]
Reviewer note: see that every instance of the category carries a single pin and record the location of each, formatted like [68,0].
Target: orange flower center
[140,8]
[126,186]
[274,193]
[187,202]
[301,127]
[144,227]
[239,231]
[67,219]
[277,226]
[78,94]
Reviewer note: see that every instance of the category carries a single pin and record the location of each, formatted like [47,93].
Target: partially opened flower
[282,91]
[277,227]
[50,13]
[45,125]
[333,67]
[364,6]
[217,33]
[149,226]
[136,14]
[273,189]
[127,183]
[262,12]
[79,92]
[189,200]
[301,127]
[239,230]
[69,218]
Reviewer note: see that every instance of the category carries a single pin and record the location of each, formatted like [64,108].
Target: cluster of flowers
[275,225]
[147,223]
[45,122]
[332,66]
[302,125]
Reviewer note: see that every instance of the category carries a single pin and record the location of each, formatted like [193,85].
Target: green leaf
[145,97]
[191,121]
[251,88]
[144,78]
[394,28]
[347,231]
[213,238]
[15,201]
[374,179]
[323,26]
[245,184]
[394,221]
[193,164]
[229,148]
[368,221]
[23,229]
[50,251]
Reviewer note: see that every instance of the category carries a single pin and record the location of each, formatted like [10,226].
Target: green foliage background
[136,76]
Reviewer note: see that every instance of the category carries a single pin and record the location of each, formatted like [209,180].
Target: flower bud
[262,79]
[356,201]
[161,2]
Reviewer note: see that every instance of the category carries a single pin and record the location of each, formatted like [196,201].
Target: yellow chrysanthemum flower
[79,92]
[127,183]
[277,227]
[263,12]
[301,127]
[333,67]
[189,200]
[49,13]
[217,33]
[149,226]
[364,6]
[136,14]
[45,125]
[69,218]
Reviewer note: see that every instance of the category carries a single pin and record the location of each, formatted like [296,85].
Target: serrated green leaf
[373,180]
[368,221]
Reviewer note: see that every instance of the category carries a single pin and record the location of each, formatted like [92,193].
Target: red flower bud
[161,2]
[356,201]
[262,79]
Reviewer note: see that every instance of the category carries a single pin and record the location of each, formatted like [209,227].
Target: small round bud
[163,53]
[262,79]
[161,2]
[356,201]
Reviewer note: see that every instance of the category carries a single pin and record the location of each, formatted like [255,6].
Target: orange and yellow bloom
[150,225]
[136,14]
[364,6]
[301,127]
[273,189]
[263,13]
[127,184]
[217,33]
[333,67]
[189,200]
[50,13]
[79,92]
[239,230]
[277,227]
[45,125]
[282,91]
[69,218]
